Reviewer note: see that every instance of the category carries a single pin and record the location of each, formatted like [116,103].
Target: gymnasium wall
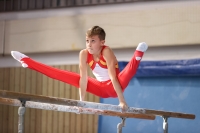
[157,23]
[22,80]
[160,85]
[178,94]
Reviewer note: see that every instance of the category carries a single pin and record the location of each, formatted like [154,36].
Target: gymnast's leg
[62,75]
[94,86]
[131,68]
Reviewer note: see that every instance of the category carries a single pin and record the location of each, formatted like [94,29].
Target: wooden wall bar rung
[84,104]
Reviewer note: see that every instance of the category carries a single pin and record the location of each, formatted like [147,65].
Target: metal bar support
[120,125]
[21,112]
[165,124]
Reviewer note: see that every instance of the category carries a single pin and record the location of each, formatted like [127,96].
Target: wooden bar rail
[84,104]
[68,105]
[47,106]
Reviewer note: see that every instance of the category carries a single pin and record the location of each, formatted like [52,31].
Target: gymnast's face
[94,44]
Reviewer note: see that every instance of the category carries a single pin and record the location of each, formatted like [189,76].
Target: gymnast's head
[96,30]
[95,39]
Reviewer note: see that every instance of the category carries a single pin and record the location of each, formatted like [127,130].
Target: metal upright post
[120,125]
[21,112]
[165,124]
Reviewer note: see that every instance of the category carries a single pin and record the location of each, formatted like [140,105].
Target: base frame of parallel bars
[165,124]
[21,112]
[120,125]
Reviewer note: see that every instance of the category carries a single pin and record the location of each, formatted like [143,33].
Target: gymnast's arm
[111,61]
[83,74]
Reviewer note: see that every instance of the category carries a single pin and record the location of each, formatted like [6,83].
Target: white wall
[171,30]
[159,23]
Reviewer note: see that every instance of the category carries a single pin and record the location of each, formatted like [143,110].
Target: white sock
[142,47]
[19,56]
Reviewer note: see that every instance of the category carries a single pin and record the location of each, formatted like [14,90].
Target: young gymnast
[109,82]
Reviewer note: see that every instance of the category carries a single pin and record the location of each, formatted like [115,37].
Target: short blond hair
[96,30]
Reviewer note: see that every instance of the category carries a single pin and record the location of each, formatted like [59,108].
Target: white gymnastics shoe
[142,47]
[19,56]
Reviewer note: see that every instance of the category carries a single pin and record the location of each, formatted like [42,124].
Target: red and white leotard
[100,69]
[102,86]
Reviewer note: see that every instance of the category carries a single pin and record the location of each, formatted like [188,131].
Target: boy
[109,81]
